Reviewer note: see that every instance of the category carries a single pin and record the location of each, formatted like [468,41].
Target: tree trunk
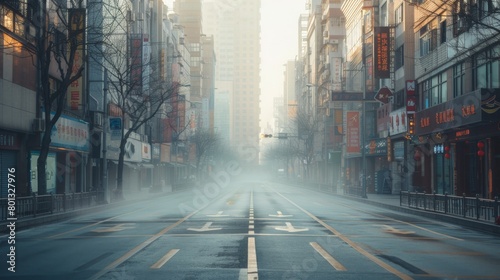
[119,180]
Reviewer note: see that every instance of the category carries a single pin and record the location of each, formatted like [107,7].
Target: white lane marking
[206,227]
[332,261]
[115,228]
[280,215]
[289,227]
[351,243]
[252,270]
[219,214]
[164,259]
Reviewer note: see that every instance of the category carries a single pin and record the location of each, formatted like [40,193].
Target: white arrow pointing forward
[280,215]
[290,228]
[219,214]
[206,227]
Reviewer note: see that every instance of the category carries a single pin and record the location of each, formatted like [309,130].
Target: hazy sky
[279,23]
[279,27]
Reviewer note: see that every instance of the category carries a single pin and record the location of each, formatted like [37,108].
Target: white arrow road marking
[219,214]
[396,231]
[206,227]
[290,228]
[280,215]
[115,228]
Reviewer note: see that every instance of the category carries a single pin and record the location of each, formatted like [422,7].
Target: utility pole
[363,136]
[104,140]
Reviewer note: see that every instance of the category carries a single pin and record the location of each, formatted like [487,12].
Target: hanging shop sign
[398,123]
[475,107]
[382,52]
[353,132]
[70,133]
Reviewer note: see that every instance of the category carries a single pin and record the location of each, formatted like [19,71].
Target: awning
[129,164]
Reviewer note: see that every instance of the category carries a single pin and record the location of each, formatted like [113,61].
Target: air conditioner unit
[38,125]
[139,17]
[462,24]
[130,16]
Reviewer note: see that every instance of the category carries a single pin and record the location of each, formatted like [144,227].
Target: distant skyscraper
[235,25]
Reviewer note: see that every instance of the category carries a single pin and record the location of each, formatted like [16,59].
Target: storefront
[132,160]
[10,157]
[67,158]
[459,139]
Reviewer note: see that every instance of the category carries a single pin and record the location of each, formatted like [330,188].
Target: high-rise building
[236,29]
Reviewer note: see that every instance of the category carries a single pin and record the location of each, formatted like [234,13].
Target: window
[486,69]
[434,90]
[399,57]
[458,80]
[7,18]
[443,32]
[398,14]
[428,39]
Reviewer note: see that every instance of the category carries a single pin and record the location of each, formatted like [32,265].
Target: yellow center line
[93,224]
[352,243]
[164,259]
[333,262]
[139,247]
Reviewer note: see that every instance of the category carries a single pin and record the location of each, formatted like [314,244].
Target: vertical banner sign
[353,132]
[381,52]
[76,43]
[136,62]
[146,55]
[411,99]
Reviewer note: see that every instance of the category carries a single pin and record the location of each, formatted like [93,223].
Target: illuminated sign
[382,53]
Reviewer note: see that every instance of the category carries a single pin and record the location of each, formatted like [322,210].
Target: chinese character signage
[477,106]
[70,133]
[353,132]
[381,52]
[77,31]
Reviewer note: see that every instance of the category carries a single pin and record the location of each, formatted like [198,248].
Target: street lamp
[363,135]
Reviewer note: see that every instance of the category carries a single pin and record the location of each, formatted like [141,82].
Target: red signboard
[383,95]
[353,132]
[411,99]
[382,53]
[136,61]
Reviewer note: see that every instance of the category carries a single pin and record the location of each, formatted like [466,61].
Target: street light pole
[363,136]
[104,140]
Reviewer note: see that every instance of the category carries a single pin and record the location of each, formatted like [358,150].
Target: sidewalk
[391,201]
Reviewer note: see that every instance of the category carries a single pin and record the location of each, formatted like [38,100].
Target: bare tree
[205,142]
[58,64]
[307,127]
[462,24]
[135,83]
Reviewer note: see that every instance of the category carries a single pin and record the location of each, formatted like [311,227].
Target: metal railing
[467,207]
[36,205]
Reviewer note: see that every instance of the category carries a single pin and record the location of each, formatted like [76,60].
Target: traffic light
[411,124]
[263,135]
